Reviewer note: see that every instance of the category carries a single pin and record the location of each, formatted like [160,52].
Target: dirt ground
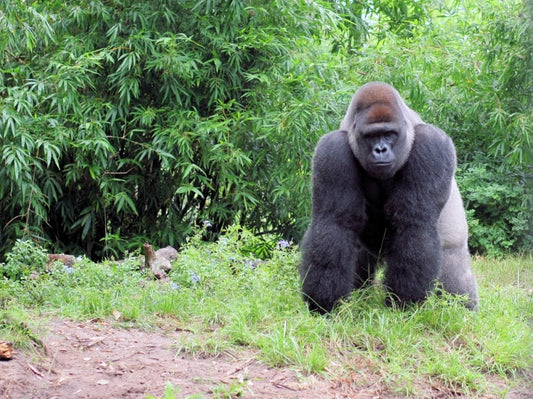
[97,360]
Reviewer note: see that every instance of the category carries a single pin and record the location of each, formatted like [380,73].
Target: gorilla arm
[329,247]
[420,190]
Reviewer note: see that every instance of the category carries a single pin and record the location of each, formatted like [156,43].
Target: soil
[99,360]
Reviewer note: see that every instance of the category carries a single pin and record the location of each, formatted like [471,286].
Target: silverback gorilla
[384,191]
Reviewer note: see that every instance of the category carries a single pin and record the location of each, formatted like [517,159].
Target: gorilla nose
[380,150]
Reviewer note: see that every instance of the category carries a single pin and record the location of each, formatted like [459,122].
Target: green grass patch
[231,300]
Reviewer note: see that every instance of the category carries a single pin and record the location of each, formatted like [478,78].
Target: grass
[221,289]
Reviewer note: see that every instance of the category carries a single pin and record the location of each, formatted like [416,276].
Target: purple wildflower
[195,278]
[283,244]
[68,269]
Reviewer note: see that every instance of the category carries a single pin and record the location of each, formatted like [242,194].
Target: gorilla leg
[456,275]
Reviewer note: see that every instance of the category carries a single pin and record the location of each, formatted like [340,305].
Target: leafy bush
[123,123]
[23,259]
[498,210]
[142,120]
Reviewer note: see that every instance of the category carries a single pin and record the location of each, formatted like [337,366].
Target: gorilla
[384,192]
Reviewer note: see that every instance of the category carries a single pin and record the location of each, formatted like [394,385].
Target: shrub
[498,210]
[143,119]
[23,259]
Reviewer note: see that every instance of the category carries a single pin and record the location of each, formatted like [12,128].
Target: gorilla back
[384,190]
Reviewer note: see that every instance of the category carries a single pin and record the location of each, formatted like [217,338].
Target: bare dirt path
[96,360]
[99,360]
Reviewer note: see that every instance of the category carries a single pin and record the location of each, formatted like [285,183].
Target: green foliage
[24,258]
[14,327]
[498,210]
[120,122]
[233,305]
[468,71]
[124,123]
[171,392]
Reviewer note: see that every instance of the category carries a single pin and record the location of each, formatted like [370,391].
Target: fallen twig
[35,370]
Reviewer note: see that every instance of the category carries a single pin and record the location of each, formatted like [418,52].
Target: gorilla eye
[389,135]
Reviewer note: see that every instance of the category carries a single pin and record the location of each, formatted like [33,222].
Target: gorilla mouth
[382,165]
[381,170]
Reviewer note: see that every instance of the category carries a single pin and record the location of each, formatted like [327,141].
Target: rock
[168,252]
[6,350]
[67,260]
[159,262]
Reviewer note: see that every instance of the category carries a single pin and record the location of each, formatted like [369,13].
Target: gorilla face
[375,144]
[380,129]
[380,140]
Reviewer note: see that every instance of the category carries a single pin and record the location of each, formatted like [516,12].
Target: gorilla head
[380,129]
[384,192]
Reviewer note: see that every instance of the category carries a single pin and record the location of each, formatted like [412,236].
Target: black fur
[359,216]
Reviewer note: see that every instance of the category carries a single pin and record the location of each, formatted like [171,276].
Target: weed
[24,258]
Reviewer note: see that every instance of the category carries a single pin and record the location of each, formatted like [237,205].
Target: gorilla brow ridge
[380,112]
[368,96]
